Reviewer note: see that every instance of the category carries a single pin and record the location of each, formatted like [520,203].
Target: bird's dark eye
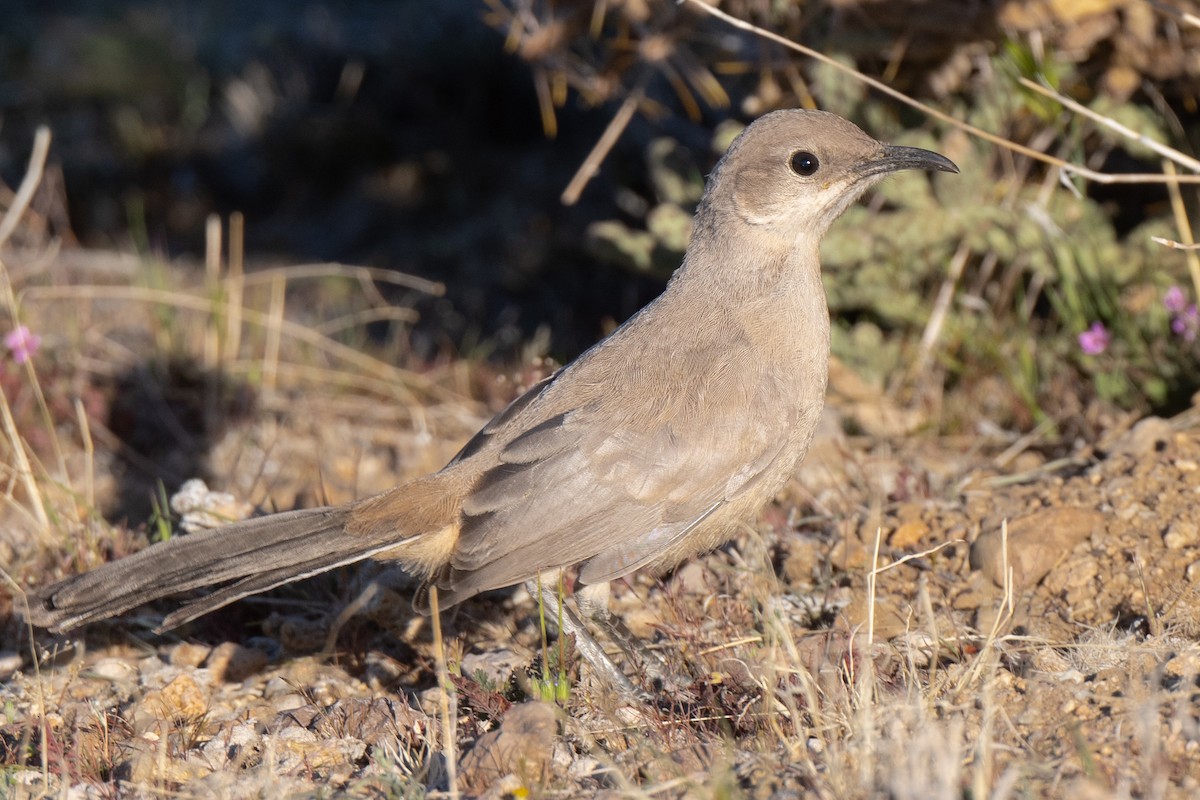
[804,163]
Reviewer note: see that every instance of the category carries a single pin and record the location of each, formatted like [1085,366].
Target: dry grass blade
[447,697]
[330,269]
[29,184]
[1179,210]
[941,306]
[1183,16]
[16,443]
[403,381]
[591,164]
[1008,144]
[1174,245]
[1163,150]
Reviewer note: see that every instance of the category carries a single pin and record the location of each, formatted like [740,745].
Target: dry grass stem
[29,184]
[1008,144]
[272,321]
[447,697]
[1184,224]
[941,306]
[235,284]
[89,454]
[591,165]
[1169,153]
[1186,17]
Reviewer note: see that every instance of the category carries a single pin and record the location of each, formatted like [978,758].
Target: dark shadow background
[393,134]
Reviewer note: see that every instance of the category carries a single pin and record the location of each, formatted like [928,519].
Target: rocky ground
[864,638]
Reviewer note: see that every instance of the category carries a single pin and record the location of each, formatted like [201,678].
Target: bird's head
[793,172]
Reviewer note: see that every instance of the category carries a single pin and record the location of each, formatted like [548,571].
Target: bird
[651,447]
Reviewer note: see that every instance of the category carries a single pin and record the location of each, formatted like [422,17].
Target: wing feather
[612,479]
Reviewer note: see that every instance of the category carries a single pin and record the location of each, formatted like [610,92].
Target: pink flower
[1094,340]
[1187,323]
[22,344]
[1174,300]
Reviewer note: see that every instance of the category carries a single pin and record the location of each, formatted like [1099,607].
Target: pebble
[523,743]
[1036,542]
[909,534]
[186,654]
[117,670]
[200,508]
[181,699]
[497,666]
[10,662]
[521,746]
[233,663]
[1182,533]
[1147,436]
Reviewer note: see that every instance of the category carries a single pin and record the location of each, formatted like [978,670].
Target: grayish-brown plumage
[651,447]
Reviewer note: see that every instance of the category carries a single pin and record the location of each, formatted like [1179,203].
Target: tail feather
[258,554]
[263,582]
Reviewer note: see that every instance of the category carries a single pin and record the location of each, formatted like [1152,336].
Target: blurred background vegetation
[436,138]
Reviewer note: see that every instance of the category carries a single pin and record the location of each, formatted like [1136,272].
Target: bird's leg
[587,645]
[593,602]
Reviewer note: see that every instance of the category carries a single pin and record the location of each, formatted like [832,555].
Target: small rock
[1185,664]
[849,554]
[149,766]
[184,697]
[803,560]
[1182,533]
[377,721]
[1147,436]
[497,666]
[117,670]
[10,662]
[200,508]
[692,578]
[181,699]
[299,634]
[229,744]
[187,654]
[233,663]
[578,767]
[888,620]
[521,746]
[297,748]
[909,534]
[1036,543]
[979,592]
[287,702]
[642,621]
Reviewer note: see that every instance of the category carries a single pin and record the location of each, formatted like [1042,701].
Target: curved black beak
[896,158]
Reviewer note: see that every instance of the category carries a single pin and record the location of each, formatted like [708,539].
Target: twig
[274,325]
[937,318]
[29,184]
[448,697]
[1171,11]
[1003,616]
[235,285]
[21,464]
[1129,133]
[591,165]
[332,268]
[1179,210]
[403,379]
[1174,245]
[928,552]
[89,455]
[1083,172]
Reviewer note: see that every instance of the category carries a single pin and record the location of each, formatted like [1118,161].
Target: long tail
[257,555]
